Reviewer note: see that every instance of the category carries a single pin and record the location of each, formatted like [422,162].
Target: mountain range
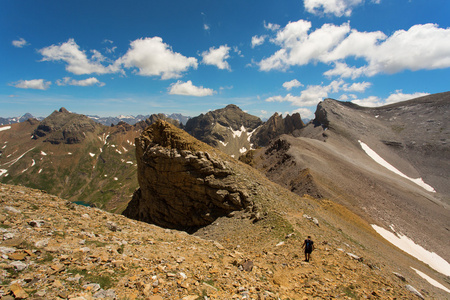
[352,174]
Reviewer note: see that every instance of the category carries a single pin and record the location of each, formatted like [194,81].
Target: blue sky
[115,57]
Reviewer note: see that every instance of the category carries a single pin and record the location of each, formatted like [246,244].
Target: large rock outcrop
[184,183]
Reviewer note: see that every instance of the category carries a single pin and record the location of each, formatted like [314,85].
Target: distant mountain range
[102,120]
[13,120]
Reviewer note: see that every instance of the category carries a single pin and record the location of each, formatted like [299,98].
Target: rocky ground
[53,249]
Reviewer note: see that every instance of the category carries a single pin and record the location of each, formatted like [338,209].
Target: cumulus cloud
[188,89]
[304,113]
[84,82]
[338,8]
[313,94]
[258,40]
[359,87]
[271,27]
[77,60]
[36,84]
[398,96]
[20,43]
[298,47]
[217,57]
[292,84]
[420,47]
[152,57]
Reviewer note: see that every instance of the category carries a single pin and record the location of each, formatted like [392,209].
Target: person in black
[308,244]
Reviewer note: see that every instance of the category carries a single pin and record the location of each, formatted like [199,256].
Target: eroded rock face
[181,186]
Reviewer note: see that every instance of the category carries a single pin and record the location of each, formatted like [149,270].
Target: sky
[111,58]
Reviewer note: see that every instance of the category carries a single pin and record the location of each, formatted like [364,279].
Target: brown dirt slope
[53,249]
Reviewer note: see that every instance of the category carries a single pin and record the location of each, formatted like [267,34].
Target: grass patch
[350,292]
[105,281]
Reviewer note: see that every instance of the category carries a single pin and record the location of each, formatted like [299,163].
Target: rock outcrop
[276,126]
[184,183]
[65,127]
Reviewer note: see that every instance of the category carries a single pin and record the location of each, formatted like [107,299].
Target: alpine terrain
[369,185]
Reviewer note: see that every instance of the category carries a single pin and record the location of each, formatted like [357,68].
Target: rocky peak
[184,183]
[276,126]
[228,129]
[64,127]
[153,118]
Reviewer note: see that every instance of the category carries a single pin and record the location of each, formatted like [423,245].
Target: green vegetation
[96,243]
[350,292]
[105,281]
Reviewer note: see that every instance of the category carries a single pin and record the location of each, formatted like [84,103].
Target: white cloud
[272,27]
[188,89]
[77,61]
[258,40]
[371,101]
[36,84]
[338,8]
[421,47]
[300,48]
[217,57]
[313,94]
[398,96]
[304,113]
[206,27]
[20,43]
[154,58]
[84,82]
[357,87]
[288,85]
[343,70]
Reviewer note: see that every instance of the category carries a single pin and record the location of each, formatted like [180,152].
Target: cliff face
[183,183]
[276,126]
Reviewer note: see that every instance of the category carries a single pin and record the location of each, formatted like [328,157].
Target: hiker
[309,247]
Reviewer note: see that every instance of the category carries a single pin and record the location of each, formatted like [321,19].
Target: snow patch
[129,162]
[40,171]
[431,280]
[5,128]
[17,159]
[115,178]
[91,154]
[237,133]
[406,244]
[33,162]
[243,150]
[124,149]
[391,168]
[223,143]
[249,134]
[69,153]
[43,153]
[118,151]
[3,171]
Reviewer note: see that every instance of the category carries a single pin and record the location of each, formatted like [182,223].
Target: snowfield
[390,167]
[5,128]
[431,280]
[406,244]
